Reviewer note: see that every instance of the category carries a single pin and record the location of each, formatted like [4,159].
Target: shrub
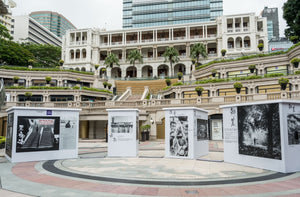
[199,89]
[103,69]
[97,66]
[213,71]
[16,79]
[168,81]
[295,60]
[237,85]
[148,96]
[223,51]
[48,79]
[179,74]
[76,88]
[177,84]
[294,38]
[273,75]
[145,127]
[252,66]
[167,87]
[105,83]
[283,81]
[260,45]
[78,79]
[28,94]
[97,90]
[297,72]
[109,84]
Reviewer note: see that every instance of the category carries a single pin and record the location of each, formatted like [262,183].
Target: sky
[108,13]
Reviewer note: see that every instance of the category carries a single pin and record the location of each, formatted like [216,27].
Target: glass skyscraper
[147,13]
[53,21]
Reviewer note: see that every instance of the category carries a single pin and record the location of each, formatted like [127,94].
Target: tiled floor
[108,176]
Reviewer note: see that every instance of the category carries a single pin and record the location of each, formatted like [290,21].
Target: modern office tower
[148,13]
[273,23]
[238,34]
[26,29]
[5,13]
[53,21]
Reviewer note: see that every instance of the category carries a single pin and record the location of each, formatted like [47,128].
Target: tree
[110,60]
[45,55]
[198,50]
[13,53]
[172,56]
[292,16]
[4,33]
[133,56]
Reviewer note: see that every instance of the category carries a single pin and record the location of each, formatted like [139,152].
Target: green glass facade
[146,13]
[53,21]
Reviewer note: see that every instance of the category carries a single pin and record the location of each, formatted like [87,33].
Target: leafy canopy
[198,50]
[110,60]
[133,56]
[291,14]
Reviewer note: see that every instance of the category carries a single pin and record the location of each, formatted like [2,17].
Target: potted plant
[213,72]
[168,82]
[28,95]
[145,132]
[294,39]
[105,84]
[295,61]
[199,90]
[61,62]
[78,80]
[252,67]
[109,85]
[193,61]
[283,82]
[179,75]
[223,51]
[30,62]
[48,79]
[260,46]
[238,86]
[16,79]
[97,66]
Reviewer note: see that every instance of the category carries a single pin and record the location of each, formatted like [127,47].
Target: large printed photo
[179,144]
[37,133]
[293,123]
[259,131]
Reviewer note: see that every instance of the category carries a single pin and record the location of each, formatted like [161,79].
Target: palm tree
[110,60]
[171,55]
[198,50]
[133,56]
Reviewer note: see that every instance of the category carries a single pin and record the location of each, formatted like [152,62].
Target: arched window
[230,43]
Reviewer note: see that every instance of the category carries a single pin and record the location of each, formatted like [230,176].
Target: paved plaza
[94,174]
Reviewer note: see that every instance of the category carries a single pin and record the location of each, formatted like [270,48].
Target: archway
[247,42]
[238,42]
[163,71]
[77,69]
[131,71]
[77,54]
[83,53]
[230,43]
[179,68]
[147,71]
[72,55]
[83,69]
[116,72]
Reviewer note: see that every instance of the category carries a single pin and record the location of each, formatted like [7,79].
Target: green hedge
[43,69]
[273,75]
[97,90]
[177,84]
[167,87]
[297,72]
[249,57]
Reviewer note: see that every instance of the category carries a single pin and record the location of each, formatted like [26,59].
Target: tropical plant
[283,81]
[61,62]
[260,46]
[133,56]
[109,85]
[237,85]
[172,56]
[16,79]
[168,82]
[295,60]
[199,89]
[111,60]
[4,33]
[198,50]
[179,75]
[103,69]
[105,84]
[48,79]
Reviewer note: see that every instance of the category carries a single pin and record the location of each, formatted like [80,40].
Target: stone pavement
[93,174]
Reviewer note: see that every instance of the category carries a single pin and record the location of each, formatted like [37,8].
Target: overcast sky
[108,13]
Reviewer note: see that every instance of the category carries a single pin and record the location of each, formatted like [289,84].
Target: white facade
[238,34]
[6,19]
[27,29]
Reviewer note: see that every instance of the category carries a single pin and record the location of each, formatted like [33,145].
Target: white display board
[263,135]
[35,134]
[186,132]
[123,129]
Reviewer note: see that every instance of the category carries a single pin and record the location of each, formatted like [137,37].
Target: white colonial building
[238,34]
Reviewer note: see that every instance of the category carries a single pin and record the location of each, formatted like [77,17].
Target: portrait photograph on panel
[202,133]
[179,144]
[293,124]
[121,124]
[37,133]
[259,131]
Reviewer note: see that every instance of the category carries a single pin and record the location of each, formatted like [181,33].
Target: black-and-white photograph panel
[121,124]
[179,144]
[259,131]
[9,134]
[293,123]
[37,133]
[202,133]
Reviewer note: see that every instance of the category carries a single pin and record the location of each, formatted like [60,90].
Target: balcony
[116,43]
[131,42]
[162,39]
[211,35]
[147,40]
[179,38]
[196,36]
[229,30]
